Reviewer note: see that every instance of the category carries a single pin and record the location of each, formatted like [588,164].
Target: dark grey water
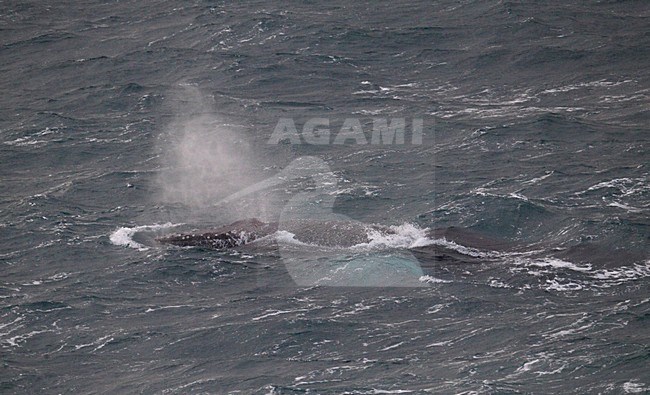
[122,121]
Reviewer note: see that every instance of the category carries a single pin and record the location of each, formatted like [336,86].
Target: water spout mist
[204,159]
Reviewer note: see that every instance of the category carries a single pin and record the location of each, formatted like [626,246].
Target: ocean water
[512,255]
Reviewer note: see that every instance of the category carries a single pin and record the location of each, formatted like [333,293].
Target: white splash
[401,236]
[124,236]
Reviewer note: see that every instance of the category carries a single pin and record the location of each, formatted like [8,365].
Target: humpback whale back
[321,233]
[439,243]
[229,236]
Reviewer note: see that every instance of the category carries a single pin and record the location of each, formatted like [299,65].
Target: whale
[450,246]
[323,233]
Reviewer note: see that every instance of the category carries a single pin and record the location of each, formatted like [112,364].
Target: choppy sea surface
[517,256]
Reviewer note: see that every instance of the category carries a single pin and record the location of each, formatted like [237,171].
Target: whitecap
[560,264]
[433,280]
